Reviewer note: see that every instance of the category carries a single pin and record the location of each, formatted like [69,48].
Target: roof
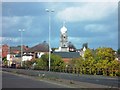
[15,48]
[43,47]
[68,54]
[70,45]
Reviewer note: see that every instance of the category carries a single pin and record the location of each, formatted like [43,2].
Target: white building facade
[63,40]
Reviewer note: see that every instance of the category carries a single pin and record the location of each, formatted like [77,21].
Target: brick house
[17,49]
[5,50]
[13,50]
[37,50]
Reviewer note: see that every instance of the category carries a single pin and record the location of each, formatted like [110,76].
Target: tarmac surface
[55,80]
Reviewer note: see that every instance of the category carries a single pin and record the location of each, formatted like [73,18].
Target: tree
[41,64]
[114,67]
[5,62]
[28,64]
[100,61]
[45,59]
[76,63]
[88,54]
[105,54]
[56,62]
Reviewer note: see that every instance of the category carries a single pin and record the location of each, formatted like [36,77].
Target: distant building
[71,47]
[27,57]
[5,50]
[67,56]
[12,53]
[37,51]
[84,47]
[63,40]
[17,49]
[13,50]
[66,49]
[15,54]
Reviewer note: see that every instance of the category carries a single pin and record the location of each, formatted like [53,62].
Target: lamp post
[49,13]
[21,30]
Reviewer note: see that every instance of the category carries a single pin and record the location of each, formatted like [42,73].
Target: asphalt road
[101,80]
[92,79]
[15,81]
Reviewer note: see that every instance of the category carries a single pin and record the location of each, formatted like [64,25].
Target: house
[27,57]
[12,50]
[37,51]
[12,53]
[17,49]
[5,50]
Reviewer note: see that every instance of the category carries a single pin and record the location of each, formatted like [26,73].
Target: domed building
[66,49]
[63,40]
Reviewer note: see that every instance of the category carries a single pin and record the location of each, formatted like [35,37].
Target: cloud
[79,41]
[9,39]
[15,21]
[94,22]
[95,42]
[87,12]
[97,28]
[12,24]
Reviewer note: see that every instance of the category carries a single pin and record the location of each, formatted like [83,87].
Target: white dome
[63,29]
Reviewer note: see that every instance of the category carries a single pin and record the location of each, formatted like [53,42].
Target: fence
[89,71]
[82,70]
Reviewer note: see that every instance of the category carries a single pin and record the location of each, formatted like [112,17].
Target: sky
[95,23]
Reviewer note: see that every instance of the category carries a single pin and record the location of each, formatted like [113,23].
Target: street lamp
[21,30]
[49,12]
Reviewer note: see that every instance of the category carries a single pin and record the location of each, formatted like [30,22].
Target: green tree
[45,59]
[76,63]
[114,68]
[88,54]
[28,64]
[5,62]
[102,66]
[105,54]
[41,64]
[56,62]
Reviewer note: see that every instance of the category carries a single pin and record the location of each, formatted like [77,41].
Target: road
[15,81]
[101,80]
[90,79]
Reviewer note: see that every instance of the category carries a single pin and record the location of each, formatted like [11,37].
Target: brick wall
[66,60]
[5,50]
